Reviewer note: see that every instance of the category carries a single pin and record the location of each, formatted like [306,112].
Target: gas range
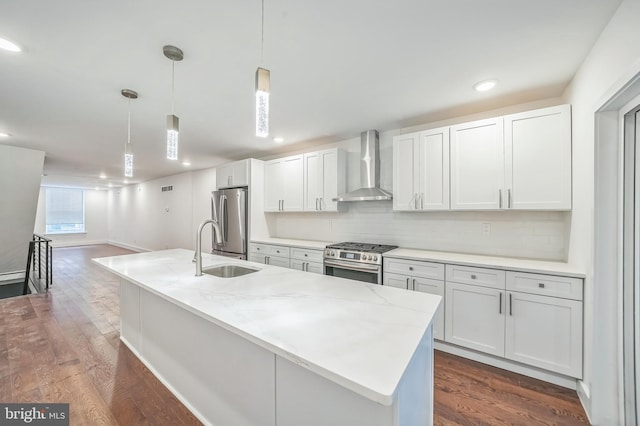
[363,253]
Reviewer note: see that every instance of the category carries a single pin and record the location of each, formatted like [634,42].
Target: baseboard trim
[536,373]
[12,276]
[128,246]
[61,244]
[584,395]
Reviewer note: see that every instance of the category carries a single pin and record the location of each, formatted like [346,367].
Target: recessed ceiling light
[4,135]
[103,176]
[483,86]
[278,139]
[7,45]
[186,163]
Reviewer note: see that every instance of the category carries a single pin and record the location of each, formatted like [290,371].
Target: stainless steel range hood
[369,171]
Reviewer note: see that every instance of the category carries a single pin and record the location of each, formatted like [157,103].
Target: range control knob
[375,257]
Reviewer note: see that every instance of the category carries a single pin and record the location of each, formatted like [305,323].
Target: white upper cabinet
[516,162]
[421,170]
[477,165]
[233,174]
[538,159]
[283,186]
[306,182]
[324,179]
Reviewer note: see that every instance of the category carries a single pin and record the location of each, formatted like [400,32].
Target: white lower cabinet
[475,317]
[269,254]
[302,259]
[424,285]
[425,277]
[533,326]
[545,332]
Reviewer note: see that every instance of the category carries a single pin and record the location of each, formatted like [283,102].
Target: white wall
[95,217]
[143,217]
[204,181]
[20,175]
[612,57]
[540,235]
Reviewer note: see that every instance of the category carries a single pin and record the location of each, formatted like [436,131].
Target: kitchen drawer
[269,250]
[303,265]
[306,255]
[484,277]
[546,285]
[415,268]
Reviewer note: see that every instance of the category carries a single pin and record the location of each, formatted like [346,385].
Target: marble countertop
[512,264]
[308,244]
[361,336]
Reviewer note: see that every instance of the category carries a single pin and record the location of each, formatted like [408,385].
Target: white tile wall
[538,235]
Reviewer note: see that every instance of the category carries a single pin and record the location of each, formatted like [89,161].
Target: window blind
[64,210]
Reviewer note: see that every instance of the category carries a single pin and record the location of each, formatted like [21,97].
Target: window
[64,210]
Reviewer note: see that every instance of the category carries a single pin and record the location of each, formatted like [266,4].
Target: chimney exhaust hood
[369,171]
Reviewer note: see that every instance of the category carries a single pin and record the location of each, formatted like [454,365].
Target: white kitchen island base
[278,346]
[227,380]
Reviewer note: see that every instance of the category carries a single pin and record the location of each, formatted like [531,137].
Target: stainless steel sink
[229,271]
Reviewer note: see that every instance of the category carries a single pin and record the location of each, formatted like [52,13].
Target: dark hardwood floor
[64,347]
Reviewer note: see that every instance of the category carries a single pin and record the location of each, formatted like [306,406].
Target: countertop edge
[507,264]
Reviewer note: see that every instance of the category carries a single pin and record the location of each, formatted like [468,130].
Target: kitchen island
[278,346]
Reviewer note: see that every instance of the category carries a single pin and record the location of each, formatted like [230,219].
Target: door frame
[608,252]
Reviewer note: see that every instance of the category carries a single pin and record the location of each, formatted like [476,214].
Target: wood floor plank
[64,346]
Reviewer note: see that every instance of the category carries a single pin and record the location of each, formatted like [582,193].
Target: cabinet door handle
[414,285]
[316,204]
[320,200]
[421,201]
[500,304]
[510,305]
[407,283]
[509,198]
[500,198]
[266,260]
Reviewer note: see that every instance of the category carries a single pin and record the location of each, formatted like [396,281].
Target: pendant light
[263,78]
[128,148]
[174,54]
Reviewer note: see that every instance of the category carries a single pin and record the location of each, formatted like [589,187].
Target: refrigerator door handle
[223,219]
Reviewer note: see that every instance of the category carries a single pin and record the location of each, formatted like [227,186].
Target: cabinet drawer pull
[305,255]
[411,268]
[541,285]
[473,276]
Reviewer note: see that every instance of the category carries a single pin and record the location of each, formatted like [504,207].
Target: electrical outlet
[486,228]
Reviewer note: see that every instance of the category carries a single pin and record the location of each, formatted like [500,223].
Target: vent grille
[166,188]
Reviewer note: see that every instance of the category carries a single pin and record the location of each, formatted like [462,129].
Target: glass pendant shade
[172,136]
[262,102]
[128,147]
[128,160]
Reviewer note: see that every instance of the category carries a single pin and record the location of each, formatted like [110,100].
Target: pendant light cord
[129,125]
[173,65]
[262,37]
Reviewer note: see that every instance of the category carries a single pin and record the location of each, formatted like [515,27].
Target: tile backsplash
[524,234]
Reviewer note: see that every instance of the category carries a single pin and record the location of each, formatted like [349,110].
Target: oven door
[353,271]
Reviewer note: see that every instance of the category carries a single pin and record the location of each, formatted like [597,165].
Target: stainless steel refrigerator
[229,209]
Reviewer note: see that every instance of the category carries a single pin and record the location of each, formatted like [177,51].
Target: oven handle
[345,265]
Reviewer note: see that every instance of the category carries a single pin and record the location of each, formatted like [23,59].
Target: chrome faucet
[218,236]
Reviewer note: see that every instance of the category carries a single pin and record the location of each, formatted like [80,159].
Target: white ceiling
[337,68]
